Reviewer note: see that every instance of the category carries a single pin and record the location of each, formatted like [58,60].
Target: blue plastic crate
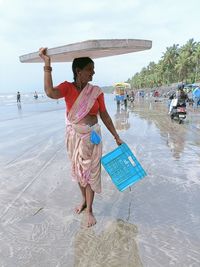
[123,167]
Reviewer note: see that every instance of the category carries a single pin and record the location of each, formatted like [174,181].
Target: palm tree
[185,64]
[196,60]
[176,64]
[169,61]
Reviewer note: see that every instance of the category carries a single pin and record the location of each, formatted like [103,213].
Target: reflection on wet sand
[121,118]
[173,133]
[176,140]
[115,246]
[19,106]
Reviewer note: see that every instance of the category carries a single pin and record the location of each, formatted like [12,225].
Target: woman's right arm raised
[48,83]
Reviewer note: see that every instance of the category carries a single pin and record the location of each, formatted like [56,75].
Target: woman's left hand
[118,141]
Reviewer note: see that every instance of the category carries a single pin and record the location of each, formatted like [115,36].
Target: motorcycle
[179,112]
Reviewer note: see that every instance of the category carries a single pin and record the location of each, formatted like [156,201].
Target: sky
[27,25]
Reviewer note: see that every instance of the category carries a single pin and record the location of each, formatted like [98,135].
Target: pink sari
[85,157]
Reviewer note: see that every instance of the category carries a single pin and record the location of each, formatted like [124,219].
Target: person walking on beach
[125,98]
[35,95]
[18,97]
[84,102]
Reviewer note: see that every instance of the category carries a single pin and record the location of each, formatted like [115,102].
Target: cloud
[27,25]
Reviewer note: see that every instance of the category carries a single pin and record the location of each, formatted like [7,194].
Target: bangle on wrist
[47,68]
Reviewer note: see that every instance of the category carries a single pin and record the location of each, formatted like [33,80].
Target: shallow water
[156,223]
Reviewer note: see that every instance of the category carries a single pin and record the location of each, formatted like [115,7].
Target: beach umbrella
[191,85]
[196,92]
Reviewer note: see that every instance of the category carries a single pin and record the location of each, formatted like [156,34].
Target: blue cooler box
[123,167]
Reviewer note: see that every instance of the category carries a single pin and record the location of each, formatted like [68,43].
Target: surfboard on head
[91,48]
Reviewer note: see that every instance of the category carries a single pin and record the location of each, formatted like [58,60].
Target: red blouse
[70,93]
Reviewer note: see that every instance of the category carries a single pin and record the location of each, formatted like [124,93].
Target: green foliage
[176,65]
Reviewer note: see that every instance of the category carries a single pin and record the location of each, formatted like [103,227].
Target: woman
[83,139]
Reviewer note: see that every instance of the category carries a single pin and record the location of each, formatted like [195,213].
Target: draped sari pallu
[84,155]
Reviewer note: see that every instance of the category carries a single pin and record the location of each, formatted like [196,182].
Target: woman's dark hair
[80,62]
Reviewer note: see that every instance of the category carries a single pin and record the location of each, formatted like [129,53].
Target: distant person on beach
[18,97]
[190,98]
[171,102]
[84,102]
[125,98]
[35,95]
[132,97]
[182,96]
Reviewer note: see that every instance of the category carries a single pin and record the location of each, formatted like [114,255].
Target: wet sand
[156,223]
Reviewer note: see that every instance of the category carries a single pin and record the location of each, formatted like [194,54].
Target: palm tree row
[178,64]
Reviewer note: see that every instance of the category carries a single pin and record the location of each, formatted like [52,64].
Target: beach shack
[121,90]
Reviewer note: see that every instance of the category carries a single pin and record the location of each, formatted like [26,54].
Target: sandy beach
[154,224]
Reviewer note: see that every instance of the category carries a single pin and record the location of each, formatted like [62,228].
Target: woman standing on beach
[83,137]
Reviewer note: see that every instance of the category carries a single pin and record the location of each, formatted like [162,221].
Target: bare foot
[90,221]
[80,208]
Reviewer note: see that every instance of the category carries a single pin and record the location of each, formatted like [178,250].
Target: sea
[10,109]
